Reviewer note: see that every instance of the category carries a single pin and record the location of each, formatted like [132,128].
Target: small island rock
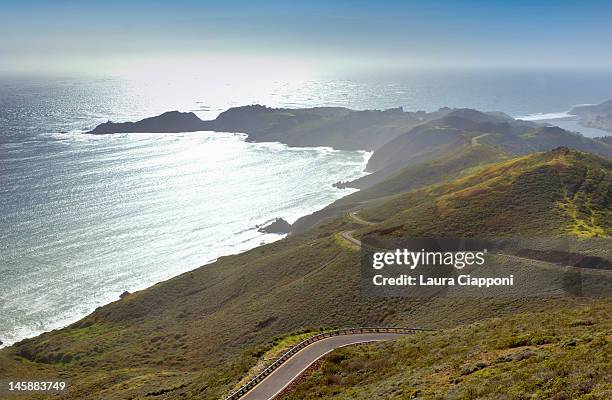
[279,226]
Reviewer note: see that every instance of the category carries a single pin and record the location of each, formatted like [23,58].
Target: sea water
[86,217]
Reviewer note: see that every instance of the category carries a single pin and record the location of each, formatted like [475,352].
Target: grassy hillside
[196,335]
[457,162]
[563,354]
[563,191]
[442,148]
[514,137]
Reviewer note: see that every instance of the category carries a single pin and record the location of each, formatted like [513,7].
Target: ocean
[84,218]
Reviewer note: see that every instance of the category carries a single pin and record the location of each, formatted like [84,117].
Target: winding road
[353,215]
[348,235]
[282,377]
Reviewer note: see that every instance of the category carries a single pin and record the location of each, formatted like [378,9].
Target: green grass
[544,355]
[457,163]
[543,193]
[450,166]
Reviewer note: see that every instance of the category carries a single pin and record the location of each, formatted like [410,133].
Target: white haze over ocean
[83,218]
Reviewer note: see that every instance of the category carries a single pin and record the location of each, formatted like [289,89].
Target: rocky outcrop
[279,226]
[171,121]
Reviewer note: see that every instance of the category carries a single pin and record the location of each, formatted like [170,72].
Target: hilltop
[563,190]
[196,335]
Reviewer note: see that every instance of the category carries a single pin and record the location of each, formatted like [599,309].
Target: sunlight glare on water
[104,214]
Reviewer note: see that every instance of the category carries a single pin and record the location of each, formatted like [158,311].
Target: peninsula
[337,127]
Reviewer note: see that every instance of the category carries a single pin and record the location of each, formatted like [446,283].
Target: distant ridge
[398,138]
[337,127]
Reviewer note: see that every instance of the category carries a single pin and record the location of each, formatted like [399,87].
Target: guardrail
[315,338]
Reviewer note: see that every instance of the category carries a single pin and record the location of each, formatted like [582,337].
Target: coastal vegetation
[562,354]
[562,191]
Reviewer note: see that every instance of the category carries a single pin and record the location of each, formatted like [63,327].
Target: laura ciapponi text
[461,280]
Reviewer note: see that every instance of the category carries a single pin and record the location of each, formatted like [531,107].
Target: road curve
[298,363]
[348,236]
[353,215]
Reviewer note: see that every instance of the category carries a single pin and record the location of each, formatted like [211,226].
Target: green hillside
[562,354]
[561,191]
[513,137]
[196,335]
[457,162]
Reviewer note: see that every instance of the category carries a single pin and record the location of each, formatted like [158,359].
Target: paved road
[353,215]
[475,139]
[292,368]
[348,235]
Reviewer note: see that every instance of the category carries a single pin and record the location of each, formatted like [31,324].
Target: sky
[105,37]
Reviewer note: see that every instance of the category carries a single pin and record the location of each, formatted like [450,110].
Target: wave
[546,116]
[553,115]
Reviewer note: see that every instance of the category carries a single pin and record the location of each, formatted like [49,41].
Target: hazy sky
[110,36]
